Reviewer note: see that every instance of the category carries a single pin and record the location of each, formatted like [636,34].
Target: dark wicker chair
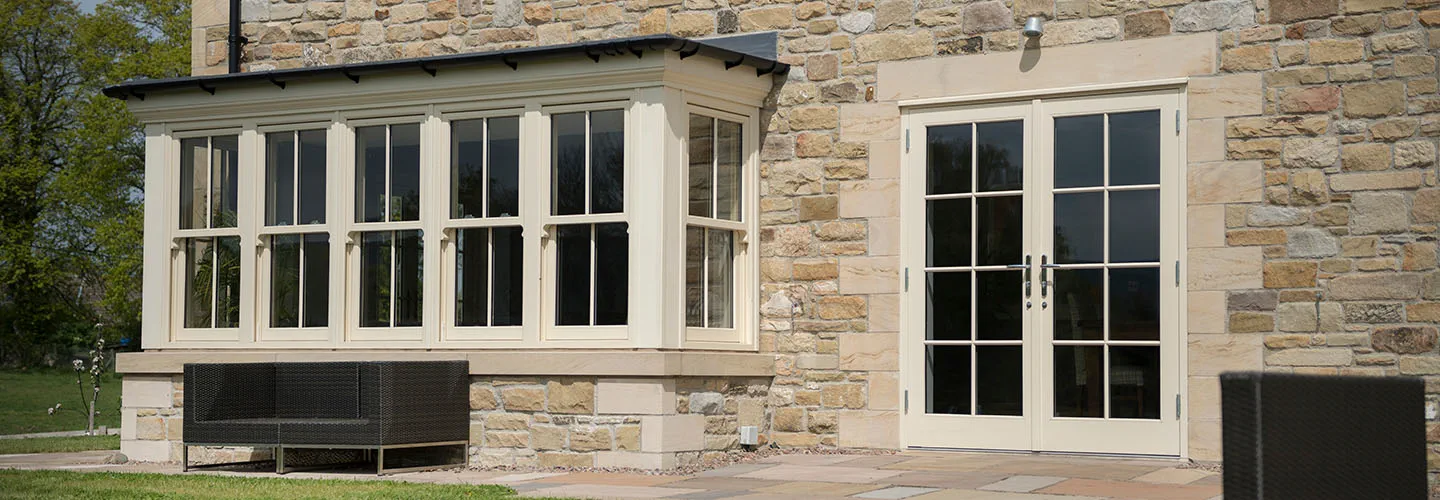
[376,406]
[1306,436]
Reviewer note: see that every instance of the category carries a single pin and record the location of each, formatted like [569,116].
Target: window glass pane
[702,172]
[1135,382]
[316,262]
[947,232]
[1135,304]
[467,183]
[224,183]
[607,161]
[947,159]
[1135,226]
[947,306]
[370,174]
[509,268]
[998,295]
[1079,227]
[375,279]
[227,282]
[405,172]
[612,273]
[999,152]
[199,276]
[1079,304]
[568,168]
[1079,153]
[472,263]
[999,380]
[695,276]
[720,274]
[504,196]
[1135,148]
[194,180]
[1000,236]
[728,159]
[1079,386]
[572,275]
[947,379]
[409,278]
[280,179]
[285,281]
[312,177]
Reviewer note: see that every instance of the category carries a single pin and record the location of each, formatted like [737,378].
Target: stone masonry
[1312,188]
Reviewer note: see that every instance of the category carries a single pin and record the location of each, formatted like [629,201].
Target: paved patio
[911,475]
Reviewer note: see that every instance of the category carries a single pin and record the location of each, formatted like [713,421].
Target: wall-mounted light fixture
[1034,27]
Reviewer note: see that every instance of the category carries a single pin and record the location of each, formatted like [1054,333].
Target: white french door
[1041,251]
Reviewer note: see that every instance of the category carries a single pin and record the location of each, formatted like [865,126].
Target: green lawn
[108,485]
[59,444]
[25,395]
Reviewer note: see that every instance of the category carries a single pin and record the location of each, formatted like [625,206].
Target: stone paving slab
[1173,476]
[895,492]
[1022,483]
[608,491]
[834,474]
[1131,490]
[946,480]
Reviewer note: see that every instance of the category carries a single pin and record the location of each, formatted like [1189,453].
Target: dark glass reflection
[998,298]
[285,280]
[404,173]
[1079,301]
[1079,228]
[1135,382]
[225,181]
[695,276]
[702,166]
[227,282]
[279,179]
[312,177]
[947,379]
[472,262]
[607,161]
[1135,148]
[194,193]
[467,170]
[370,174]
[1079,379]
[315,264]
[1135,304]
[947,306]
[504,145]
[947,232]
[375,268]
[999,152]
[1000,377]
[612,273]
[199,282]
[509,293]
[409,278]
[572,274]
[728,168]
[720,260]
[1001,235]
[568,168]
[1135,226]
[948,159]
[1079,151]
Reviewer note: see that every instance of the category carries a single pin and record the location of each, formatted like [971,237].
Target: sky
[87,5]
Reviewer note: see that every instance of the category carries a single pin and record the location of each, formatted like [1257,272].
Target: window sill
[595,363]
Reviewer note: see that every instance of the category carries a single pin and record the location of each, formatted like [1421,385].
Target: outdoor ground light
[1034,27]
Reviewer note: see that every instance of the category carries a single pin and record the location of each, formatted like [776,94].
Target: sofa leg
[279,459]
[184,458]
[380,462]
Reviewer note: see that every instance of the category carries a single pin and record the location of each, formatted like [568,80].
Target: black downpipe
[234,41]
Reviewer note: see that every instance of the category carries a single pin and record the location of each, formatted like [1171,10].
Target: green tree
[72,165]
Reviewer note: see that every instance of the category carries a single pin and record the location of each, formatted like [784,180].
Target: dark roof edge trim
[756,50]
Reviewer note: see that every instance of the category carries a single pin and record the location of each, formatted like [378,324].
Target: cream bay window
[295,237]
[589,265]
[387,232]
[208,234]
[715,179]
[485,250]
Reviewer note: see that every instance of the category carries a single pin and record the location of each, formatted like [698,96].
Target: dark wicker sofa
[366,405]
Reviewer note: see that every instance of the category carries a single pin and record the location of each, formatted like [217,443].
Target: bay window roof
[755,51]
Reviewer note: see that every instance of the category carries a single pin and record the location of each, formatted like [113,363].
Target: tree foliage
[72,166]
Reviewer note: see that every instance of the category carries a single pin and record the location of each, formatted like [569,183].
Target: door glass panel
[1079,151]
[1000,149]
[947,156]
[1000,236]
[947,379]
[1079,301]
[1079,391]
[1135,382]
[947,308]
[1135,304]
[998,310]
[1135,226]
[999,373]
[1135,148]
[947,232]
[1079,228]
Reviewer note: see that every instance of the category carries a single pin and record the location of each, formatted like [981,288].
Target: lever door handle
[1045,280]
[1017,266]
[1025,274]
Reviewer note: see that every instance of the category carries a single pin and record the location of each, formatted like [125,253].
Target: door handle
[1044,279]
[1025,273]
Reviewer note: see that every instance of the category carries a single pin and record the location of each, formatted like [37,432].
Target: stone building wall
[1313,199]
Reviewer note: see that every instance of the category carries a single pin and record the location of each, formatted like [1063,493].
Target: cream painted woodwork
[1048,377]
[656,95]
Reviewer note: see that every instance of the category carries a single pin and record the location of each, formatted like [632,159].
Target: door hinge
[907,401]
[907,140]
[1177,122]
[1177,407]
[907,279]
